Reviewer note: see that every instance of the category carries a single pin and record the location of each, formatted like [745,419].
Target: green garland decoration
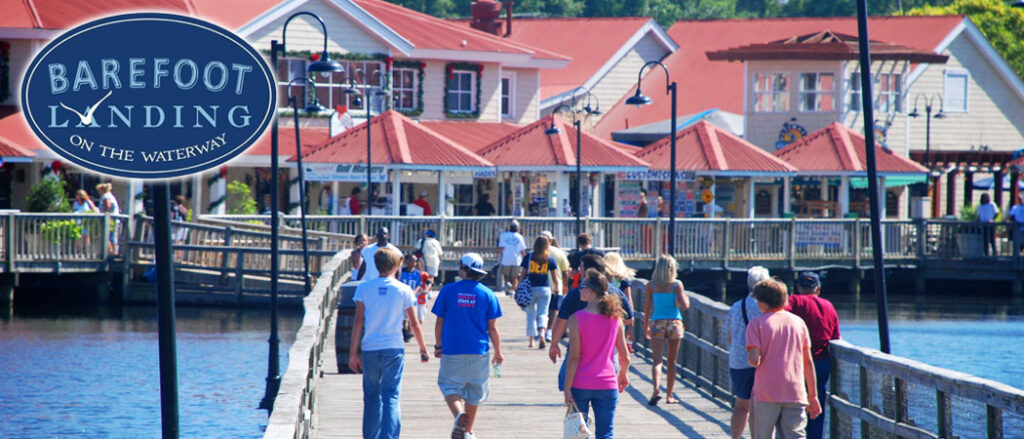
[215,203]
[448,70]
[5,70]
[418,65]
[351,56]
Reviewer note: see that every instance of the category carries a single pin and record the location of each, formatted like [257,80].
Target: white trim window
[890,93]
[404,88]
[954,90]
[508,96]
[462,92]
[856,100]
[817,92]
[330,88]
[771,92]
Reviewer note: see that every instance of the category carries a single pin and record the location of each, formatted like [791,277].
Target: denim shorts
[465,375]
[742,382]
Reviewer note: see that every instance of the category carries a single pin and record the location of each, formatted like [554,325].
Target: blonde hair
[664,271]
[386,260]
[104,187]
[616,268]
[81,193]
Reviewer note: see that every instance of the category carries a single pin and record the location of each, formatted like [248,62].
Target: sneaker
[547,336]
[469,435]
[459,428]
[541,343]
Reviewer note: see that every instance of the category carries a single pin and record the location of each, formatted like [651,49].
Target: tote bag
[524,297]
[576,426]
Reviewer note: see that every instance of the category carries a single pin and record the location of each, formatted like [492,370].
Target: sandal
[654,400]
[459,430]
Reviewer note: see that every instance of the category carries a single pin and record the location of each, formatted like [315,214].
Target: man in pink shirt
[779,346]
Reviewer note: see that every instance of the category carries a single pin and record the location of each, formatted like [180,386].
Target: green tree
[1001,24]
[49,195]
[242,202]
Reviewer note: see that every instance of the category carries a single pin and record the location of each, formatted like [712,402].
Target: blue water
[97,375]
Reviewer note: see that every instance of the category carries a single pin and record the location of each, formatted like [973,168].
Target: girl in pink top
[595,332]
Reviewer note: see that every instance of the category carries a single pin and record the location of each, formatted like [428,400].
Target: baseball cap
[429,233]
[423,193]
[473,262]
[383,231]
[547,234]
[808,279]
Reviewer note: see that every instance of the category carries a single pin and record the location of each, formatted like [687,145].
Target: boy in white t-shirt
[513,248]
[381,305]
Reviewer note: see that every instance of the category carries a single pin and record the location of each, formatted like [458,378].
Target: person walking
[1016,216]
[179,213]
[642,211]
[741,375]
[381,305]
[539,267]
[513,248]
[367,270]
[595,333]
[779,347]
[484,206]
[467,317]
[562,260]
[412,277]
[355,257]
[83,203]
[621,276]
[108,204]
[584,246]
[987,214]
[823,326]
[429,249]
[664,298]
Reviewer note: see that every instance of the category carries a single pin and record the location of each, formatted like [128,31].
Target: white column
[787,206]
[338,198]
[198,183]
[293,190]
[135,203]
[396,191]
[881,197]
[844,195]
[598,198]
[751,212]
[442,198]
[564,190]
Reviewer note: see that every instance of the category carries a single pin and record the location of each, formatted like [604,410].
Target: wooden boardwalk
[524,402]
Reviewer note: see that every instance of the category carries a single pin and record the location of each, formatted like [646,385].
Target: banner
[344,172]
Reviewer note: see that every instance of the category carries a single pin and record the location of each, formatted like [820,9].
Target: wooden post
[9,242]
[969,188]
[239,276]
[105,249]
[865,397]
[994,420]
[792,243]
[951,193]
[945,413]
[997,182]
[902,411]
[726,243]
[657,238]
[834,385]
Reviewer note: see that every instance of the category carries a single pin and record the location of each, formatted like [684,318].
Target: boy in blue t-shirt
[414,279]
[467,313]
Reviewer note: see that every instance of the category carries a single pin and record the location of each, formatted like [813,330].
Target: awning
[890,181]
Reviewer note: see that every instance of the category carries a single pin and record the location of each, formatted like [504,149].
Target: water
[96,374]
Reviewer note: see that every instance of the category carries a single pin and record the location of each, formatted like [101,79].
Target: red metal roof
[311,137]
[9,149]
[15,131]
[824,45]
[591,42]
[428,32]
[705,148]
[64,14]
[531,147]
[839,149]
[397,140]
[705,84]
[473,135]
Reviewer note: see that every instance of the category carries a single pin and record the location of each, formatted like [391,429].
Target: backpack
[524,297]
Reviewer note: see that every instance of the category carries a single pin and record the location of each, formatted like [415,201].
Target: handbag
[576,425]
[524,297]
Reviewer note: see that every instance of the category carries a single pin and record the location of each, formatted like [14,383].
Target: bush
[61,230]
[49,195]
[241,200]
[969,213]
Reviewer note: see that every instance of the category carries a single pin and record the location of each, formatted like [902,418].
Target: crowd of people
[778,343]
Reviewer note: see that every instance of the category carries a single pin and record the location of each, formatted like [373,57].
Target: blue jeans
[604,402]
[537,312]
[382,381]
[816,426]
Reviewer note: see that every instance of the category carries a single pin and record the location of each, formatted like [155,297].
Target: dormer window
[771,93]
[817,92]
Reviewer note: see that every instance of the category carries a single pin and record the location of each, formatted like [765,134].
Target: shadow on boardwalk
[524,403]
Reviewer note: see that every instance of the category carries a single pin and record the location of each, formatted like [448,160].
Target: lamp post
[640,100]
[369,118]
[313,107]
[324,64]
[554,130]
[929,101]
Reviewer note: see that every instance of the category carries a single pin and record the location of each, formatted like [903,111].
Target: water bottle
[497,370]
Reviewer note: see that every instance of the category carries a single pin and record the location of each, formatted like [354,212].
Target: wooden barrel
[343,328]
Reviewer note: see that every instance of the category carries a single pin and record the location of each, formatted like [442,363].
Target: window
[954,91]
[890,93]
[856,99]
[461,88]
[817,92]
[330,89]
[771,92]
[404,89]
[507,106]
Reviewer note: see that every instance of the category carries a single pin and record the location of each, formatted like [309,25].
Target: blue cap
[809,280]
[429,233]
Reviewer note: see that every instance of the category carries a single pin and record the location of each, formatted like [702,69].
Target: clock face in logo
[148,95]
[791,132]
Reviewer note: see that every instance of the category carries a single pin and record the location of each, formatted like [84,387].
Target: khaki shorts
[667,329]
[510,272]
[790,419]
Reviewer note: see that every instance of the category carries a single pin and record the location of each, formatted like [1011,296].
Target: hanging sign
[344,172]
[791,132]
[148,95]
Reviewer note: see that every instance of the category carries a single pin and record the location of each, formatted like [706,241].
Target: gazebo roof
[839,150]
[824,45]
[530,148]
[397,142]
[705,148]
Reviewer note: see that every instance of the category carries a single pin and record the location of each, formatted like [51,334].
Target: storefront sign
[629,198]
[489,173]
[655,175]
[148,95]
[344,173]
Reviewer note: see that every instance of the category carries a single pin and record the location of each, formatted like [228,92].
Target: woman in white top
[987,213]
[430,249]
[108,204]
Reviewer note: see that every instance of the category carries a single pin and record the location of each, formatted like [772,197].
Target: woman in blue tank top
[664,298]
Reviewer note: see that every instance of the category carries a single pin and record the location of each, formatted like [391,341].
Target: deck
[524,402]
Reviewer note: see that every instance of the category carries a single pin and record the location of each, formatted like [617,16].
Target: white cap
[547,234]
[423,193]
[473,262]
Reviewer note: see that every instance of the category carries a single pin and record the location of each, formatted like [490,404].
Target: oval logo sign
[148,95]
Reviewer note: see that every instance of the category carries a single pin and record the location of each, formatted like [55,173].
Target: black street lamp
[554,130]
[323,65]
[929,101]
[369,119]
[313,107]
[640,100]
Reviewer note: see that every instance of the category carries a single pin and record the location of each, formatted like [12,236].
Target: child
[412,277]
[426,279]
[779,346]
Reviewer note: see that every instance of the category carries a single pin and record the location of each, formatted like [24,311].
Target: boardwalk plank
[524,402]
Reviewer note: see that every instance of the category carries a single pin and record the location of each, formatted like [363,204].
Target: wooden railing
[291,415]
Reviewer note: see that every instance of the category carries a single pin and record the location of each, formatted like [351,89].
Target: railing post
[994,419]
[9,244]
[944,416]
[857,240]
[657,238]
[105,249]
[239,276]
[902,411]
[362,224]
[442,230]
[834,385]
[865,397]
[792,243]
[726,244]
[922,241]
